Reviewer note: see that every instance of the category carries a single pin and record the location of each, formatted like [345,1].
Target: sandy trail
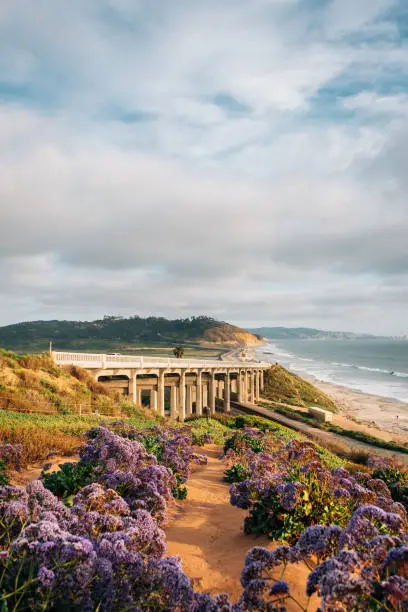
[207,533]
[33,471]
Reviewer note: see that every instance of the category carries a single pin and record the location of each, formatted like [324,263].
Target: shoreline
[376,412]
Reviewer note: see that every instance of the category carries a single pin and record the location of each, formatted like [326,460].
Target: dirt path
[207,533]
[33,471]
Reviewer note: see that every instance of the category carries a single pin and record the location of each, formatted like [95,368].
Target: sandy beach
[368,408]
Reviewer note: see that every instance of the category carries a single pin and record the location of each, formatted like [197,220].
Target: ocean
[377,367]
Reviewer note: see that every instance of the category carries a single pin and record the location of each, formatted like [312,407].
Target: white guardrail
[97,360]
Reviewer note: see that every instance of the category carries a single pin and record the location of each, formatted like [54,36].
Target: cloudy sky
[246,159]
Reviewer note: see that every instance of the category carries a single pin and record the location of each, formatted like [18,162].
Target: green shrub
[242,440]
[397,481]
[68,480]
[4,479]
[180,491]
[237,473]
[270,516]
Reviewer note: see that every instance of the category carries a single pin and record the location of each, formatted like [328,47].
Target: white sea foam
[362,378]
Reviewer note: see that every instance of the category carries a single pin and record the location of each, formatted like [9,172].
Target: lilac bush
[361,567]
[291,489]
[12,455]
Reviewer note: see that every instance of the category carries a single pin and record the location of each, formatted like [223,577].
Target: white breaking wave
[388,384]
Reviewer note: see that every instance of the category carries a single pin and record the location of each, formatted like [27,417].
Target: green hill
[288,388]
[123,334]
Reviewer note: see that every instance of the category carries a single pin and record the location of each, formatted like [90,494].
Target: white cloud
[230,188]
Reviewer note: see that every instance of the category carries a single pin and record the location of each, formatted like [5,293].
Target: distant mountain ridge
[119,333]
[307,333]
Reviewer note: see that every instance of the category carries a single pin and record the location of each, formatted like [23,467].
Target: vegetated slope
[286,387]
[33,383]
[120,333]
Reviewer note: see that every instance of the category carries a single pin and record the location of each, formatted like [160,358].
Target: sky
[244,159]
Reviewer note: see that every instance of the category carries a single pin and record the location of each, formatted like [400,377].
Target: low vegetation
[282,386]
[350,529]
[34,383]
[308,419]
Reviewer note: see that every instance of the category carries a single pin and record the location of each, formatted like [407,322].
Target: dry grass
[38,443]
[33,383]
[288,388]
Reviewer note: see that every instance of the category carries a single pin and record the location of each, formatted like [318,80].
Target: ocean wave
[368,369]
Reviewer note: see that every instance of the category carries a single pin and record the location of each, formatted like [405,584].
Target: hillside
[288,388]
[33,383]
[123,334]
[306,333]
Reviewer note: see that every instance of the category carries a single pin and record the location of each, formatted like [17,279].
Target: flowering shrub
[290,489]
[360,567]
[252,439]
[105,552]
[394,475]
[236,473]
[11,455]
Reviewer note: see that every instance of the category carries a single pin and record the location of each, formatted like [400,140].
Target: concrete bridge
[193,385]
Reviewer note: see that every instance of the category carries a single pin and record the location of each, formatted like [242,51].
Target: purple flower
[46,577]
[279,588]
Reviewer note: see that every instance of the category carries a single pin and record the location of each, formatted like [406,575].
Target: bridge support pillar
[153,399]
[173,402]
[205,395]
[212,393]
[182,397]
[139,397]
[227,393]
[239,387]
[199,394]
[257,385]
[246,386]
[160,393]
[132,386]
[262,380]
[189,400]
[252,387]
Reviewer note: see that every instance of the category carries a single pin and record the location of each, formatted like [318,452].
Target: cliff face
[231,335]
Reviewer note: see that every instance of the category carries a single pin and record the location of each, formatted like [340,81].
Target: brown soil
[32,472]
[207,533]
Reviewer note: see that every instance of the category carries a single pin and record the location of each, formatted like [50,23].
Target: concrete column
[213,393]
[189,400]
[139,397]
[182,397]
[227,393]
[239,387]
[205,395]
[257,385]
[133,386]
[262,380]
[220,389]
[153,399]
[246,386]
[160,393]
[252,388]
[173,402]
[199,398]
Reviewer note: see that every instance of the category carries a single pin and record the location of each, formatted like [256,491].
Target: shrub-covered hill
[118,333]
[33,383]
[286,387]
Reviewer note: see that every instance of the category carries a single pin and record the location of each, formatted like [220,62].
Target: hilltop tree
[178,352]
